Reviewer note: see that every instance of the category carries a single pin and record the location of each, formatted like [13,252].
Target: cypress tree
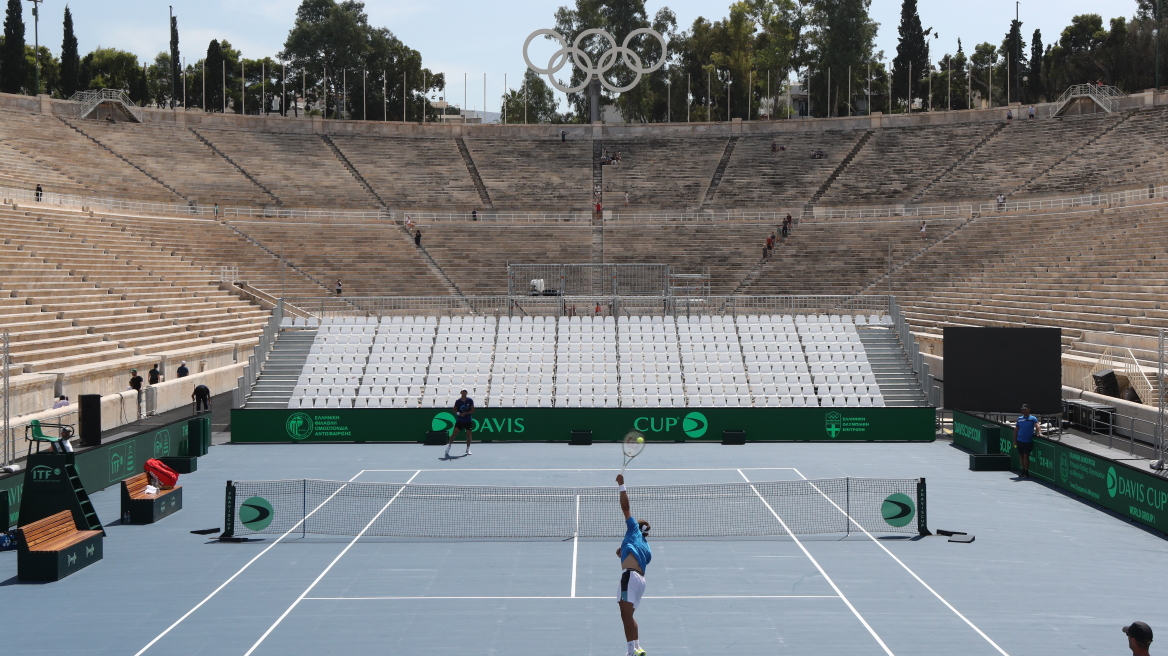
[70,60]
[214,67]
[1035,84]
[1015,60]
[912,55]
[13,66]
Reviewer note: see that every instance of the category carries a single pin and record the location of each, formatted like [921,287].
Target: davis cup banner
[606,424]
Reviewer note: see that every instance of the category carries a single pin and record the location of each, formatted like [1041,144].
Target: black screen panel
[999,369]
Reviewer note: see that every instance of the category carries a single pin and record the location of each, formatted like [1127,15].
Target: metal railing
[7,450]
[710,216]
[492,217]
[588,279]
[1121,360]
[89,100]
[377,306]
[895,211]
[1112,199]
[1105,96]
[919,366]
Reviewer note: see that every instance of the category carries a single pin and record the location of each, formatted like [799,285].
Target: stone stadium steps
[25,172]
[280,370]
[1018,152]
[314,178]
[530,174]
[898,162]
[757,177]
[893,370]
[55,145]
[665,173]
[422,173]
[179,159]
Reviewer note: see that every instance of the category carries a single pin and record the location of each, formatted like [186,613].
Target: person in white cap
[183,372]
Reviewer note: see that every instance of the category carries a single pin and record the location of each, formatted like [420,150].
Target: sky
[475,37]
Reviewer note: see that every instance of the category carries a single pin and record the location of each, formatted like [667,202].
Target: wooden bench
[141,508]
[52,548]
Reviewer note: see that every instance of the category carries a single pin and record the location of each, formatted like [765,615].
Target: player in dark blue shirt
[463,420]
[635,555]
[1025,429]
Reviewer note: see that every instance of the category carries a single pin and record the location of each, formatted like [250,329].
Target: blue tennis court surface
[1047,573]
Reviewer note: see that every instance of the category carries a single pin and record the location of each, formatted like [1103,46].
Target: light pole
[36,22]
[668,101]
[170,27]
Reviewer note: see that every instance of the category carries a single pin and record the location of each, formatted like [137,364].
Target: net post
[229,512]
[922,510]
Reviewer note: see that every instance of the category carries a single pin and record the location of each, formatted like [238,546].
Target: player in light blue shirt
[1025,429]
[635,555]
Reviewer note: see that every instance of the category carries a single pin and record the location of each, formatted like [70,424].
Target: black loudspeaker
[733,437]
[1106,383]
[89,419]
[581,438]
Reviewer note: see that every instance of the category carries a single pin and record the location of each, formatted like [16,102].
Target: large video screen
[999,369]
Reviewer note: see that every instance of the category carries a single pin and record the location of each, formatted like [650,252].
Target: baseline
[609,597]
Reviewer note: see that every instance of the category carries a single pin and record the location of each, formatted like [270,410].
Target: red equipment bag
[165,476]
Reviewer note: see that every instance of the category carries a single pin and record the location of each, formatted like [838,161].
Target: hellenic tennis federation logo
[898,510]
[834,423]
[299,426]
[694,424]
[1064,467]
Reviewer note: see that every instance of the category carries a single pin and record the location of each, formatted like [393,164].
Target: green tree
[13,64]
[1013,62]
[1035,89]
[50,71]
[214,68]
[840,43]
[532,102]
[949,81]
[70,60]
[982,75]
[912,55]
[110,68]
[174,69]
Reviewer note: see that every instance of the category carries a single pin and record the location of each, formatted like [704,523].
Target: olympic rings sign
[608,59]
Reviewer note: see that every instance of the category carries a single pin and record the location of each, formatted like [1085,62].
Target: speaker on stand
[89,419]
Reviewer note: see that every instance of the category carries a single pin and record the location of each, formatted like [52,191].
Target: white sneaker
[467,452]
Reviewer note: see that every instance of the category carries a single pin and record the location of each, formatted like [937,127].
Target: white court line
[330,566]
[818,567]
[504,598]
[241,569]
[906,568]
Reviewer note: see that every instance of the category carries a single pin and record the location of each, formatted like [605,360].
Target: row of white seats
[852,402]
[785,401]
[838,379]
[333,369]
[586,402]
[535,389]
[823,358]
[327,381]
[791,379]
[397,368]
[393,380]
[850,390]
[775,367]
[336,359]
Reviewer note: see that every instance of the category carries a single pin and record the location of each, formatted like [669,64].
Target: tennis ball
[640,440]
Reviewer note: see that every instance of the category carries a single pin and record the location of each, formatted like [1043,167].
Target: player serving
[634,554]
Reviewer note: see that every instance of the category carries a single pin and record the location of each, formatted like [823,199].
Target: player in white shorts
[635,555]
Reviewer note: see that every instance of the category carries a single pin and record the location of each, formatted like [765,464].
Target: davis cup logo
[299,426]
[694,425]
[1112,482]
[834,423]
[443,421]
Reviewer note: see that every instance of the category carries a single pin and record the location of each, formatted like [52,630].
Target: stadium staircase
[352,170]
[890,363]
[809,208]
[1071,154]
[121,157]
[716,179]
[961,160]
[474,173]
[278,373]
[239,168]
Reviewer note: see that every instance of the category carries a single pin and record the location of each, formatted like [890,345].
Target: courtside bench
[142,508]
[52,548]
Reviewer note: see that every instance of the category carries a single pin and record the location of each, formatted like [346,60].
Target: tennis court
[1031,583]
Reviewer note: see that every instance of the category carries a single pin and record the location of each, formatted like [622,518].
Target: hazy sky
[474,37]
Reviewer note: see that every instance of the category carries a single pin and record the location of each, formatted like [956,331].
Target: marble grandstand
[90,293]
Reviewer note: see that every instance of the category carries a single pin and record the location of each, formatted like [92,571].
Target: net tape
[470,512]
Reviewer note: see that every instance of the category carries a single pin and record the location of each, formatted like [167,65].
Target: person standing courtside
[635,555]
[1024,431]
[136,385]
[463,421]
[1139,638]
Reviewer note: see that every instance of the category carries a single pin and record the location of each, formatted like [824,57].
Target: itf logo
[43,473]
[299,426]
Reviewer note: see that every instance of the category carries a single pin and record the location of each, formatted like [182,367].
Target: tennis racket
[632,446]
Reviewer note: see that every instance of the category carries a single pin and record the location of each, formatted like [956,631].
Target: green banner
[606,424]
[976,434]
[1131,492]
[105,465]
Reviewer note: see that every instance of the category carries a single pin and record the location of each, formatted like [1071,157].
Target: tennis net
[759,509]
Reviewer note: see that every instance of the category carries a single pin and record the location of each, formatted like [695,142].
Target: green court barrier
[106,465]
[1131,492]
[606,424]
[977,434]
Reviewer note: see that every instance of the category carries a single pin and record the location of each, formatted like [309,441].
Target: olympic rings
[580,58]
